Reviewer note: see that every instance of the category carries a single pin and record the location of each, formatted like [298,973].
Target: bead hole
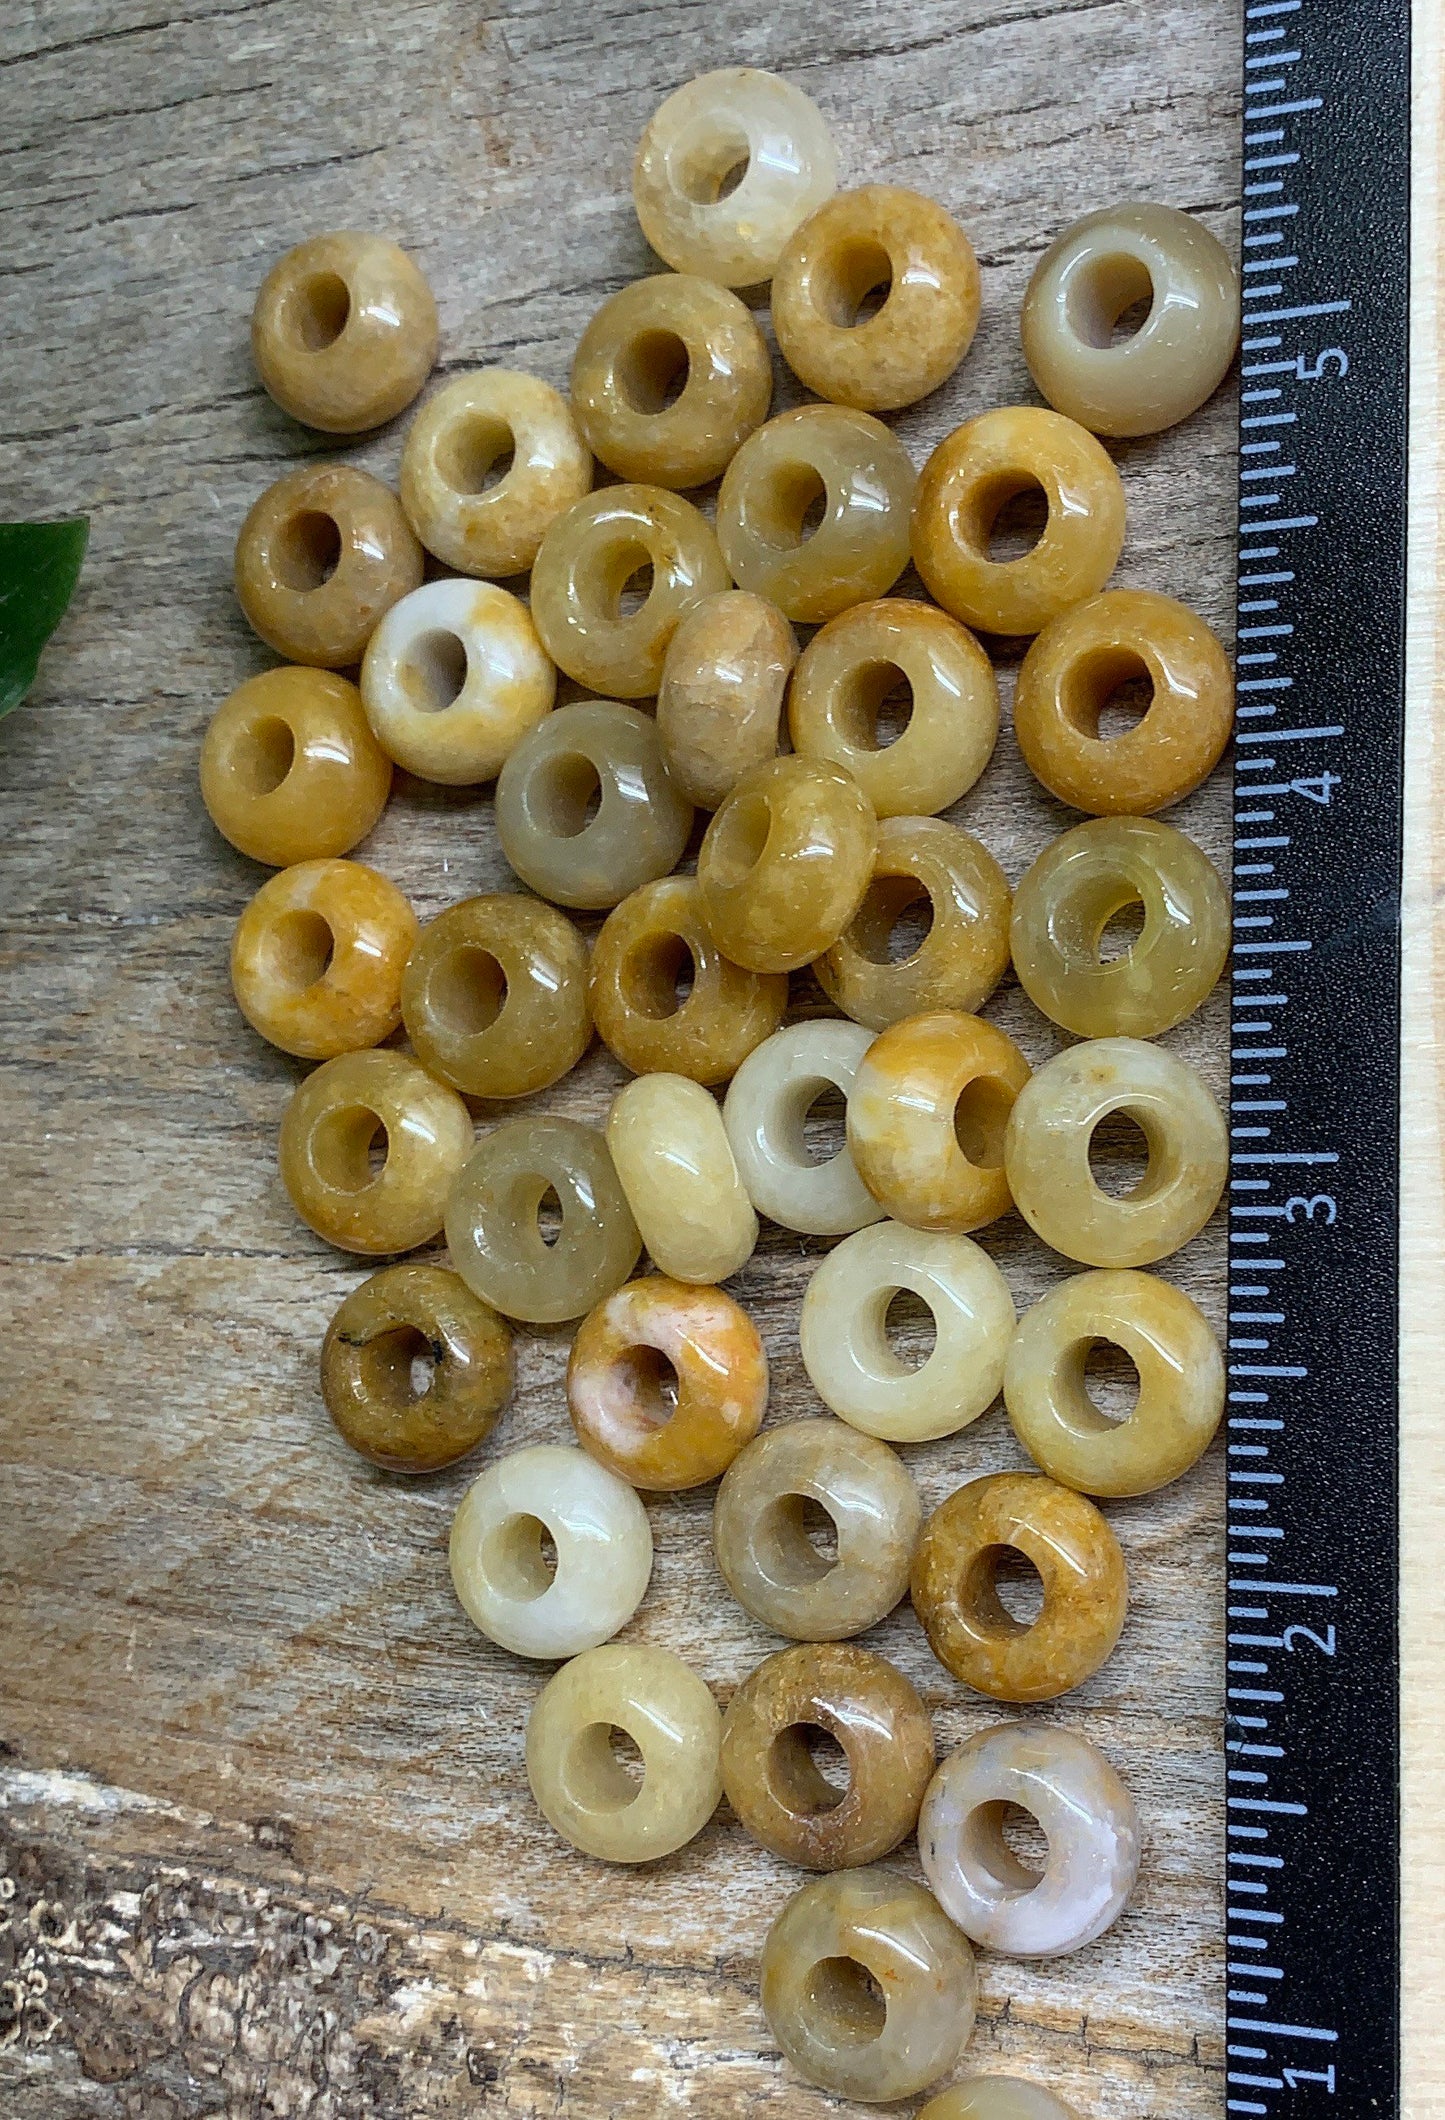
[658,977]
[398,1367]
[791,508]
[550,1217]
[300,949]
[894,920]
[1008,1844]
[1100,1386]
[307,551]
[652,371]
[739,838]
[434,671]
[349,1149]
[712,164]
[1109,304]
[855,283]
[606,1769]
[1003,1591]
[910,1331]
[799,1540]
[263,755]
[875,707]
[808,1769]
[846,2001]
[567,795]
[624,581]
[1013,519]
[521,1558]
[1119,1157]
[1120,933]
[651,1384]
[475,453]
[980,1121]
[467,991]
[319,310]
[1108,694]
[825,1125]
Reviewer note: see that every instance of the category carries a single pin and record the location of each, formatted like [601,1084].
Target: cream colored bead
[457,438]
[997,2098]
[844,1332]
[454,678]
[675,1164]
[721,698]
[764,1113]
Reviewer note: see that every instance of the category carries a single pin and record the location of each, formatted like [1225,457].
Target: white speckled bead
[997,2098]
[603,1546]
[843,1329]
[454,442]
[1086,1813]
[675,1163]
[770,1097]
[454,677]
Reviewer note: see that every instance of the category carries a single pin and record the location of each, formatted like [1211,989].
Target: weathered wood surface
[270,1845]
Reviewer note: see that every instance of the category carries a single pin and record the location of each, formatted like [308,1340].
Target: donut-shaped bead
[494,996]
[321,558]
[344,332]
[290,770]
[1075,888]
[1092,1828]
[454,678]
[867,1986]
[583,1789]
[318,956]
[402,1315]
[1073,669]
[737,122]
[1181,1383]
[760,1530]
[843,1328]
[765,1114]
[926,1120]
[1082,286]
[370,1144]
[595,749]
[601,1545]
[998,2097]
[963,488]
[880,239]
[922,863]
[955,1587]
[858,662]
[863,478]
[666,1382]
[1051,1129]
[672,1155]
[666,999]
[494,1229]
[721,698]
[772,1781]
[785,862]
[583,566]
[475,523]
[670,378]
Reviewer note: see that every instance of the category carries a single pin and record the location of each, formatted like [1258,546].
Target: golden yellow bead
[318,956]
[290,770]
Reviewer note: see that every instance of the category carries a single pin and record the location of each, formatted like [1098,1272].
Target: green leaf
[39,568]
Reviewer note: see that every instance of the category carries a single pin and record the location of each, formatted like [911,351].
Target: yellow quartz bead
[370,1144]
[997,2097]
[470,520]
[408,1312]
[664,996]
[721,698]
[494,1220]
[321,558]
[290,770]
[785,863]
[344,331]
[494,996]
[318,955]
[454,678]
[674,1162]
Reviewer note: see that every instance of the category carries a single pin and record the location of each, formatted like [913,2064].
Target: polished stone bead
[318,955]
[581,1786]
[601,1560]
[454,678]
[922,863]
[403,1316]
[962,490]
[493,1220]
[765,1113]
[671,1152]
[955,1587]
[344,331]
[1047,1153]
[494,996]
[370,1144]
[1092,1828]
[666,1382]
[997,2098]
[927,1117]
[290,770]
[664,996]
[867,1986]
[721,699]
[321,558]
[470,520]
[1085,282]
[761,1536]
[785,862]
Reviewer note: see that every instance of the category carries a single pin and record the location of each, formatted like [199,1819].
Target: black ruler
[1313,1728]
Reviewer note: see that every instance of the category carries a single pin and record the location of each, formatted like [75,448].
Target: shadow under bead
[321,558]
[404,1314]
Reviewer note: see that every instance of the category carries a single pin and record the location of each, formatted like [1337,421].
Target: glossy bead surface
[736,119]
[721,699]
[583,565]
[321,558]
[922,861]
[1051,1127]
[997,2098]
[863,476]
[475,523]
[867,1986]
[656,939]
[1092,1828]
[601,1543]
[493,1229]
[1083,284]
[318,955]
[583,1789]
[601,748]
[675,1163]
[880,238]
[927,1117]
[772,1781]
[765,1113]
[454,678]
[494,996]
[1076,665]
[843,1328]
[955,1587]
[673,331]
[344,331]
[338,1120]
[401,1314]
[964,486]
[760,1529]
[666,1382]
[290,770]
[785,863]
[1181,1383]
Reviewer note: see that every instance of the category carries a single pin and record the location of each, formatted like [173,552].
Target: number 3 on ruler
[1307,1208]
